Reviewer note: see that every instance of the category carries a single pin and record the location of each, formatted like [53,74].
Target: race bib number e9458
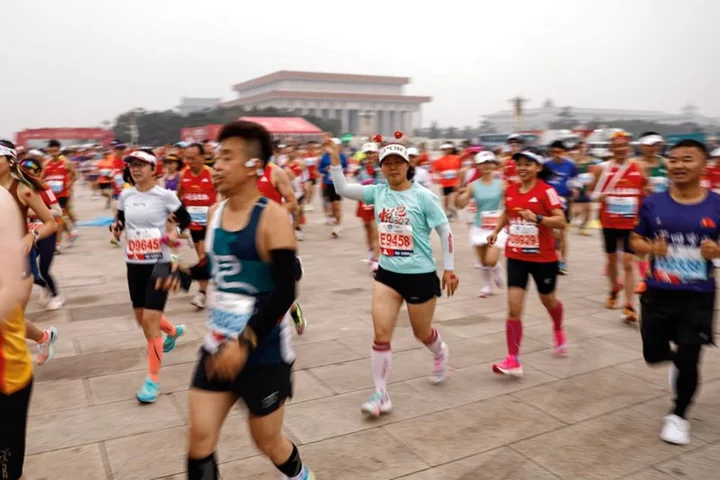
[395,240]
[524,237]
[144,244]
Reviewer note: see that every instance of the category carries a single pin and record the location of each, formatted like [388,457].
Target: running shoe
[612,299]
[336,232]
[440,364]
[115,242]
[169,343]
[676,430]
[148,393]
[562,268]
[641,287]
[45,296]
[299,235]
[304,474]
[58,248]
[199,300]
[46,350]
[498,275]
[560,343]
[298,319]
[485,292]
[629,314]
[377,404]
[55,303]
[584,232]
[510,366]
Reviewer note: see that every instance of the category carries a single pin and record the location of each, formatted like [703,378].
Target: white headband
[7,152]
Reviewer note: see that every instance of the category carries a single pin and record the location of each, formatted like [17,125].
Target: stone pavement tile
[577,330]
[42,318]
[355,375]
[323,353]
[340,415]
[78,463]
[583,357]
[181,399]
[84,366]
[123,386]
[703,463]
[477,324]
[349,327]
[503,463]
[186,351]
[472,384]
[307,387]
[403,339]
[658,374]
[130,339]
[474,428]
[103,310]
[650,474]
[98,423]
[584,396]
[101,326]
[368,455]
[704,413]
[55,396]
[464,353]
[627,337]
[85,281]
[605,447]
[148,455]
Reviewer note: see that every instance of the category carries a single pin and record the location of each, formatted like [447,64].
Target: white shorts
[478,237]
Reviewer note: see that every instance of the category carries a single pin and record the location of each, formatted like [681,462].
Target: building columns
[345,120]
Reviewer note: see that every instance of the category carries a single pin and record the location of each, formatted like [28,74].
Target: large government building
[364,104]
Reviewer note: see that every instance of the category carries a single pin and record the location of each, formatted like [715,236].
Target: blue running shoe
[148,392]
[169,343]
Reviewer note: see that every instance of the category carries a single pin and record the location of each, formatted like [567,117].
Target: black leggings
[686,359]
[46,252]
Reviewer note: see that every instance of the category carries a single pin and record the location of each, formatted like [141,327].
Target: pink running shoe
[560,347]
[510,366]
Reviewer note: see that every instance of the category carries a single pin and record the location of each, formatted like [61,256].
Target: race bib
[622,206]
[144,244]
[490,219]
[682,264]
[229,314]
[659,184]
[310,161]
[198,214]
[119,181]
[56,186]
[395,240]
[448,174]
[105,172]
[585,178]
[524,237]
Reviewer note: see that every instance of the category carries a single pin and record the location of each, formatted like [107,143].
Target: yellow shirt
[15,360]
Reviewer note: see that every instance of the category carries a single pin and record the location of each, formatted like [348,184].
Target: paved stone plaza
[593,415]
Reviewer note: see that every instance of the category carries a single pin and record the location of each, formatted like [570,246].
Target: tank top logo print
[395,232]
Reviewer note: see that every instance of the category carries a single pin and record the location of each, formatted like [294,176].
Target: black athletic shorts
[104,186]
[263,388]
[415,288]
[13,427]
[544,275]
[684,318]
[63,202]
[613,236]
[330,193]
[447,191]
[198,235]
[141,285]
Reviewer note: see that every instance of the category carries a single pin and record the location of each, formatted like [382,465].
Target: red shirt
[447,170]
[624,186]
[711,179]
[49,199]
[266,187]
[311,163]
[510,171]
[198,195]
[57,176]
[530,241]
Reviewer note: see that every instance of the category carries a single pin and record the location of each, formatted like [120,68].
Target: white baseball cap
[715,153]
[650,140]
[447,146]
[484,157]
[394,149]
[534,157]
[413,152]
[142,156]
[369,147]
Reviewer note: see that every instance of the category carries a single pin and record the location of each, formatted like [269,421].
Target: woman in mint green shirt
[406,213]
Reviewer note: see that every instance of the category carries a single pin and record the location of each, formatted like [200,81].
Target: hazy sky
[80,62]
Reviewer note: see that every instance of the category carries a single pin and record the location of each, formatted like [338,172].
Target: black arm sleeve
[120,220]
[279,302]
[182,217]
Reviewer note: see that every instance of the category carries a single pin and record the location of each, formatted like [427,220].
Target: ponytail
[127,177]
[544,173]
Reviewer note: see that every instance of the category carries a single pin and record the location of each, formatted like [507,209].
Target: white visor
[484,157]
[394,149]
[651,140]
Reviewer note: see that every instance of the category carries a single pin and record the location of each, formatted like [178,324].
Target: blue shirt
[563,172]
[324,167]
[684,227]
[405,221]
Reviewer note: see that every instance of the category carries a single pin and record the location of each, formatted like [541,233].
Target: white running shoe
[45,296]
[485,292]
[199,300]
[336,232]
[299,235]
[46,350]
[676,430]
[377,404]
[55,303]
[440,364]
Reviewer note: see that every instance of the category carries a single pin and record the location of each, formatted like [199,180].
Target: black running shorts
[613,236]
[141,286]
[13,426]
[684,318]
[415,288]
[198,235]
[544,275]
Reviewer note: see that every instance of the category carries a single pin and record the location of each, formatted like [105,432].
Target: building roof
[283,94]
[322,77]
[293,125]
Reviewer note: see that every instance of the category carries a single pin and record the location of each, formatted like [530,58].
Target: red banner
[198,134]
[91,135]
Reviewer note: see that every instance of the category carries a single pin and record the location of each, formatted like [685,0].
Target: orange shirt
[15,361]
[447,168]
[105,168]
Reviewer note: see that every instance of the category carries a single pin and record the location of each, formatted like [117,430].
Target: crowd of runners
[240,200]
